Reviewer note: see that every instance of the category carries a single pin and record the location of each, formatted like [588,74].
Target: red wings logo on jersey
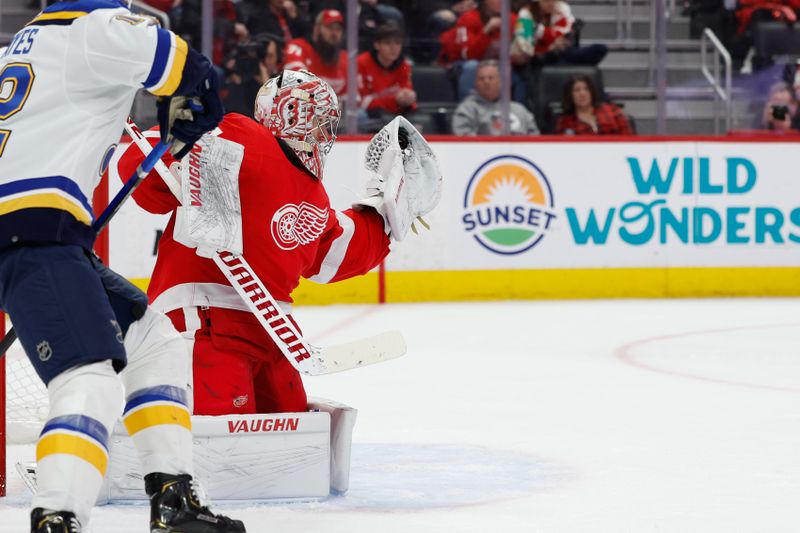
[293,225]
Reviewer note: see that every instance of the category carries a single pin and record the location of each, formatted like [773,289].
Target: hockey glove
[186,119]
[405,179]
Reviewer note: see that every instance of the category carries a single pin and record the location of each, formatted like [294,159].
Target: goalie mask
[303,110]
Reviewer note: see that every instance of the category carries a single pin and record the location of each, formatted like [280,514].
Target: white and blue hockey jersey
[67,83]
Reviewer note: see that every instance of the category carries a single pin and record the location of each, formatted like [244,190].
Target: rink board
[546,218]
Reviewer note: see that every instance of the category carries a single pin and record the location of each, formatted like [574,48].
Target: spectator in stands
[323,54]
[476,36]
[552,37]
[444,12]
[278,17]
[390,13]
[248,68]
[780,111]
[371,14]
[370,17]
[479,113]
[428,19]
[584,113]
[384,78]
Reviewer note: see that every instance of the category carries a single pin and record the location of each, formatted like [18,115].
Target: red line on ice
[625,354]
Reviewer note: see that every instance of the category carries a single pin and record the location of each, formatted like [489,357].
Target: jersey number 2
[16,80]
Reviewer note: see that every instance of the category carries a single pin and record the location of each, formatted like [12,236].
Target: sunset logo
[508,206]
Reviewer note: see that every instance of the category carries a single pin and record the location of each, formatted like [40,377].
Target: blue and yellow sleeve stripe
[55,192]
[60,18]
[170,59]
[77,435]
[155,406]
[65,13]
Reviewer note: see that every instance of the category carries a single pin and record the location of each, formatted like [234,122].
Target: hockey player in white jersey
[67,82]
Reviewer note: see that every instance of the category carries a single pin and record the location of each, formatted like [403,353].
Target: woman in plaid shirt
[585,114]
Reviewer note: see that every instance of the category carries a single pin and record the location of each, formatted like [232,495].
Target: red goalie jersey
[289,231]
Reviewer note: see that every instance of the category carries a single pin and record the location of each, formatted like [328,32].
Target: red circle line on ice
[626,354]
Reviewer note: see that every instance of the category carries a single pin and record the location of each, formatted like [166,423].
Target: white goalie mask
[303,110]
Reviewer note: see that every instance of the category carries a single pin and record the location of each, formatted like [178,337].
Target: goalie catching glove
[405,181]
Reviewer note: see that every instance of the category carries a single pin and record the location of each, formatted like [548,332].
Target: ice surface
[675,416]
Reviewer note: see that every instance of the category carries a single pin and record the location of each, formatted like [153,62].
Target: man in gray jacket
[479,113]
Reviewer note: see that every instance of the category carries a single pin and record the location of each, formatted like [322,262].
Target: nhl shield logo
[44,351]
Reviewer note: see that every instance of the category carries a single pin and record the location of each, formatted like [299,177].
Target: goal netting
[26,402]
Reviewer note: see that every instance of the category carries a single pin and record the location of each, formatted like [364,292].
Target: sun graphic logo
[508,206]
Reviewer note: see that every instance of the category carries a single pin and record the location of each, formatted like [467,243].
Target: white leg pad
[343,420]
[254,457]
[71,453]
[158,371]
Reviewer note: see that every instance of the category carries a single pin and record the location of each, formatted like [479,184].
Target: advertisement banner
[600,205]
[544,205]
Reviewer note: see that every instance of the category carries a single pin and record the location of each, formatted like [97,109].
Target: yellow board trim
[50,200]
[359,290]
[61,443]
[141,283]
[483,285]
[176,71]
[61,15]
[157,415]
[363,289]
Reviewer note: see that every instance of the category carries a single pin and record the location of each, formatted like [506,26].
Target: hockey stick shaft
[304,357]
[108,213]
[125,192]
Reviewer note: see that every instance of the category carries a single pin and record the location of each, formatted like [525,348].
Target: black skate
[175,507]
[58,522]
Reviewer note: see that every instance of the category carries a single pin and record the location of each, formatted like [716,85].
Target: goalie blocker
[253,457]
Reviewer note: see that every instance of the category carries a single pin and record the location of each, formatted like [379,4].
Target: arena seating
[436,95]
[775,39]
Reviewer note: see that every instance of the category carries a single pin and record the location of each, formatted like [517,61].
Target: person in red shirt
[553,36]
[476,37]
[384,76]
[585,114]
[323,54]
[289,231]
[478,31]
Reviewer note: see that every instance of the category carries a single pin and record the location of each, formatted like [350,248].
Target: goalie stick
[305,358]
[108,213]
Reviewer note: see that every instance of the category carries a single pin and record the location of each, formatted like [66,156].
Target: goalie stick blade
[376,349]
